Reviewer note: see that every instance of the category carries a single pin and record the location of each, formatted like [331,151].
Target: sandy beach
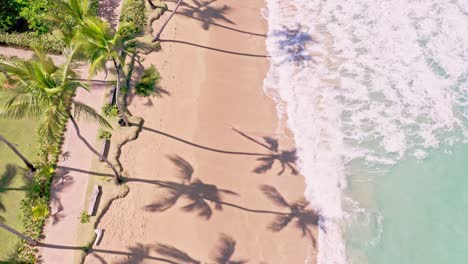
[213,62]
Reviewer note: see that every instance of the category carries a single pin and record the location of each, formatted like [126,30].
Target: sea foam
[366,81]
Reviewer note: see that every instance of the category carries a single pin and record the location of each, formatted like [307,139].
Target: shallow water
[375,94]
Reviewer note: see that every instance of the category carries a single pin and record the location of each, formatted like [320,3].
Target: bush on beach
[148,82]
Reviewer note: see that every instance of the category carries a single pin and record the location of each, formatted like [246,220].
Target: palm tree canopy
[99,43]
[70,15]
[43,91]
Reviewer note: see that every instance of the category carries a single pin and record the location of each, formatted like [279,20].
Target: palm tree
[31,241]
[44,91]
[100,44]
[70,15]
[16,151]
[156,37]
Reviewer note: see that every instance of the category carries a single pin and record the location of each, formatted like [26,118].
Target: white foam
[365,79]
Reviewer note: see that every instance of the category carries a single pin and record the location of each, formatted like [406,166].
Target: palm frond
[44,60]
[89,114]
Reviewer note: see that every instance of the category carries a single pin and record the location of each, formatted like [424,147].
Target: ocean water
[375,93]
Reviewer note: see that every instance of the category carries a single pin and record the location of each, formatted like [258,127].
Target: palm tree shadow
[138,254]
[222,254]
[284,157]
[205,13]
[303,217]
[195,191]
[294,41]
[6,180]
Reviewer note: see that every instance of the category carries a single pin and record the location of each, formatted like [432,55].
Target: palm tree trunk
[117,93]
[23,158]
[31,241]
[153,6]
[77,129]
[156,38]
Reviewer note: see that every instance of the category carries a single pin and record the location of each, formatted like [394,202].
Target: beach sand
[213,70]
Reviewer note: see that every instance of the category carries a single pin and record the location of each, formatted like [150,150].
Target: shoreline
[213,72]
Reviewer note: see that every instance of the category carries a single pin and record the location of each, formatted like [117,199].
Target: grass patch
[13,182]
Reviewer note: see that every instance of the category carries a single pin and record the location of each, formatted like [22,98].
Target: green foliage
[148,81]
[110,110]
[86,248]
[93,7]
[133,18]
[30,39]
[9,14]
[84,217]
[35,13]
[103,134]
[35,211]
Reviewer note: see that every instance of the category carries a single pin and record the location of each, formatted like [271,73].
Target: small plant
[84,217]
[103,134]
[156,46]
[110,110]
[86,248]
[148,81]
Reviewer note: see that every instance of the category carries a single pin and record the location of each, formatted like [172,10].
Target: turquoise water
[423,206]
[375,93]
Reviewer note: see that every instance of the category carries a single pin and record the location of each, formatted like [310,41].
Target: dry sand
[213,72]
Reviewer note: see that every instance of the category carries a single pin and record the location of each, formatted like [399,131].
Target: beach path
[68,191]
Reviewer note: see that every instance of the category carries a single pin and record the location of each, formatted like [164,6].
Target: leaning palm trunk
[23,158]
[153,6]
[156,38]
[102,157]
[117,93]
[31,241]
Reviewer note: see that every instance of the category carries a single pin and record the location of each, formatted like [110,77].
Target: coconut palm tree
[70,15]
[45,91]
[100,44]
[156,37]
[16,151]
[31,241]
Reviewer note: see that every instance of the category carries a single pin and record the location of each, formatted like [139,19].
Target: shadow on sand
[284,157]
[222,254]
[214,49]
[199,195]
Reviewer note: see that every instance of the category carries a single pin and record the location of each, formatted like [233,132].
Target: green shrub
[84,217]
[93,7]
[148,81]
[31,39]
[132,19]
[110,110]
[9,14]
[103,134]
[35,13]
